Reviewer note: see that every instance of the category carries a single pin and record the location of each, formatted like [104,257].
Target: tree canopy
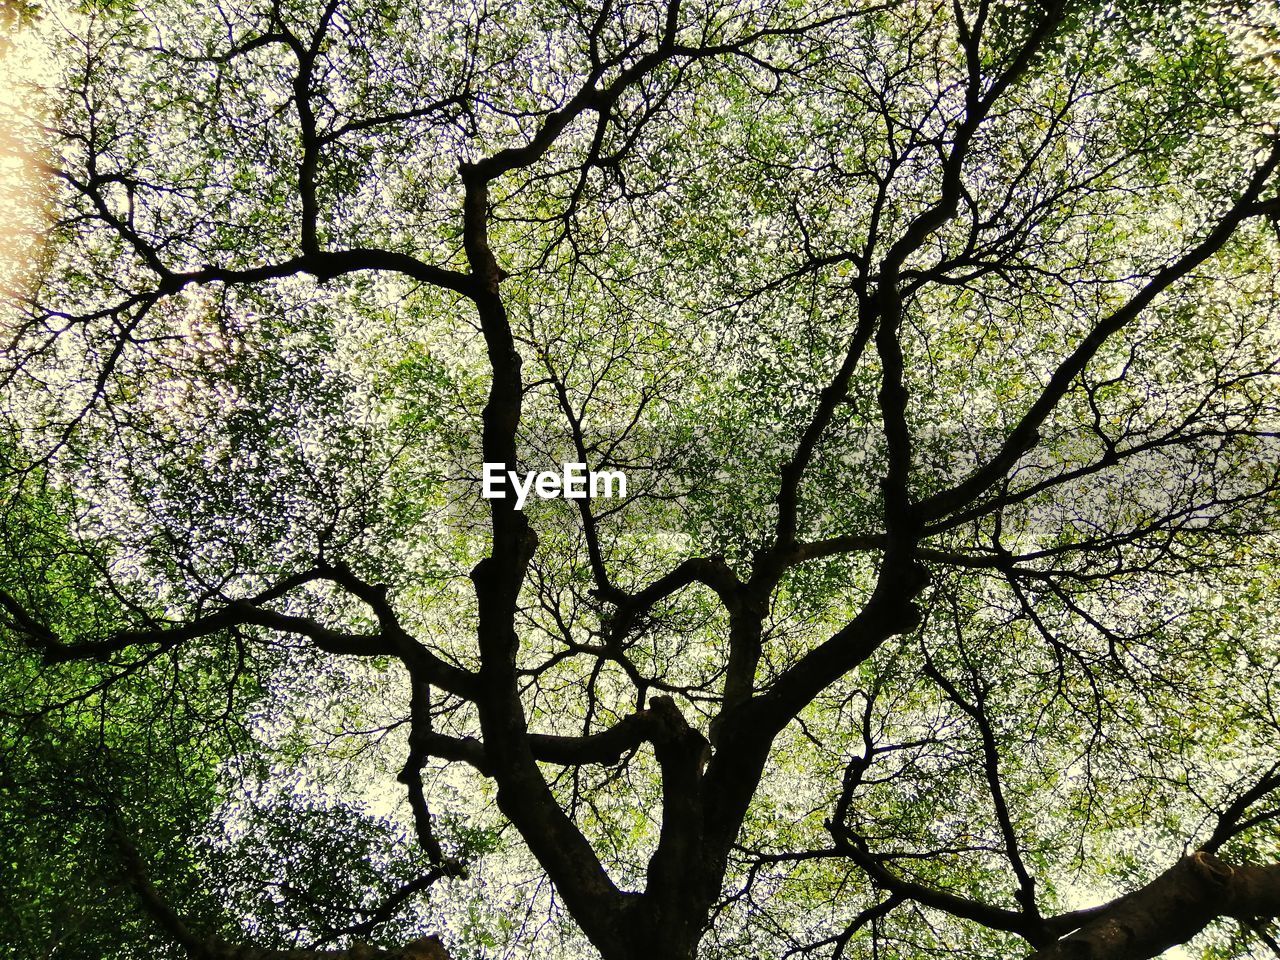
[937,342]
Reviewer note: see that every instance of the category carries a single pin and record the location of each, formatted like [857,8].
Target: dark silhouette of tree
[937,342]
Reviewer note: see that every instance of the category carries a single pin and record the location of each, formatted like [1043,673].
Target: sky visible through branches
[936,342]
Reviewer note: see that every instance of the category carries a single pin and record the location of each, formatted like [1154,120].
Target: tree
[937,343]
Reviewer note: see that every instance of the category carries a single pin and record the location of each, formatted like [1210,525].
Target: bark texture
[1172,909]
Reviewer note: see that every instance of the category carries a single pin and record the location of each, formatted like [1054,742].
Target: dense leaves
[938,344]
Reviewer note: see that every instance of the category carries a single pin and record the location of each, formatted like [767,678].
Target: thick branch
[1172,909]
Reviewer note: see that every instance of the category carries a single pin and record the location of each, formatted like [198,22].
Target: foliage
[938,343]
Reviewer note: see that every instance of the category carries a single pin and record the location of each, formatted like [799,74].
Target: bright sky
[18,184]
